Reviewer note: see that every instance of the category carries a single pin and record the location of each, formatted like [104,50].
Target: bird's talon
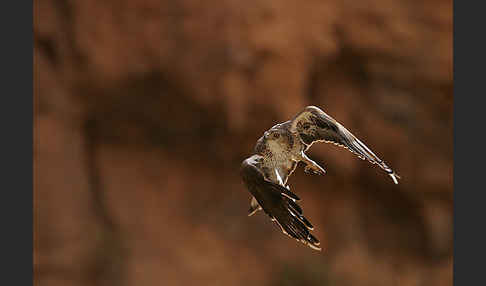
[310,170]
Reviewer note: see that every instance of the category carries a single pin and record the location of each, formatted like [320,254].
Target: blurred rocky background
[145,109]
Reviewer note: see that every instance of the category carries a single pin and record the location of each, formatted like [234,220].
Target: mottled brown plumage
[277,153]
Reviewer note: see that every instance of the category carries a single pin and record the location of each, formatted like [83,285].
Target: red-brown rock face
[145,109]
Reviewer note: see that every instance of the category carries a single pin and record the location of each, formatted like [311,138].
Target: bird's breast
[280,164]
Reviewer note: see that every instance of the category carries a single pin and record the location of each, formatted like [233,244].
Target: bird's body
[279,157]
[277,154]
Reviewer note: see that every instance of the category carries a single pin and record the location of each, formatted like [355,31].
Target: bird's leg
[254,206]
[311,166]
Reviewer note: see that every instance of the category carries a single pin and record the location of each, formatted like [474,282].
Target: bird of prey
[277,154]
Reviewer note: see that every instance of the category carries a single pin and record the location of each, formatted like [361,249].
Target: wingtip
[312,242]
[395,178]
[315,247]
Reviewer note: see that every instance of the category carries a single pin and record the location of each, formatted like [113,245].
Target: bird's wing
[314,125]
[278,202]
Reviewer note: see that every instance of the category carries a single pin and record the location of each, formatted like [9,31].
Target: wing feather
[278,202]
[314,125]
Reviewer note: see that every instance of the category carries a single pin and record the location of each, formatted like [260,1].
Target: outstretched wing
[314,125]
[278,202]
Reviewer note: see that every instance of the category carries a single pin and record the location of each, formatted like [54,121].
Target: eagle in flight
[277,154]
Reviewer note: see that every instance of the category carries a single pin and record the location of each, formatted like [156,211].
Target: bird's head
[275,134]
[276,139]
